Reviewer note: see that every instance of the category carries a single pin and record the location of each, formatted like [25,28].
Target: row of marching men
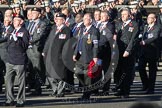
[27,42]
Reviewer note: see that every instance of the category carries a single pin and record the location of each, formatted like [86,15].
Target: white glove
[14,37]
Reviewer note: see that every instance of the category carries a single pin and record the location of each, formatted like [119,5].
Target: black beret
[37,9]
[61,15]
[19,16]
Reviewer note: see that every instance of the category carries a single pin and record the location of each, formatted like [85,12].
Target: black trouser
[38,68]
[105,55]
[148,81]
[124,74]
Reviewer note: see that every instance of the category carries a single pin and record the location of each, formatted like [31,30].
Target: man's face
[155,1]
[29,15]
[78,18]
[65,12]
[97,16]
[8,13]
[47,9]
[87,20]
[35,15]
[104,17]
[124,15]
[17,10]
[7,22]
[59,21]
[151,19]
[17,22]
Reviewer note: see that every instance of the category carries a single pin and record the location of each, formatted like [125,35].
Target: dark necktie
[101,26]
[74,29]
[31,27]
[123,25]
[81,41]
[148,29]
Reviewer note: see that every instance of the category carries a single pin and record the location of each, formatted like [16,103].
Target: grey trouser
[11,72]
[57,85]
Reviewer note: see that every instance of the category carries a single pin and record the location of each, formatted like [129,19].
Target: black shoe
[9,104]
[19,105]
[114,89]
[60,95]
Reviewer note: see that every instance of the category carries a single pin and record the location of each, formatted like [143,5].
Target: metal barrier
[149,8]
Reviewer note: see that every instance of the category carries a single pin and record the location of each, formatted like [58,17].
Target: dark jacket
[89,50]
[16,50]
[3,42]
[126,37]
[150,49]
[53,51]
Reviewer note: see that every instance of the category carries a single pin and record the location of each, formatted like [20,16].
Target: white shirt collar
[67,19]
[104,23]
[88,27]
[37,20]
[151,25]
[127,22]
[17,29]
[79,24]
[60,27]
[7,27]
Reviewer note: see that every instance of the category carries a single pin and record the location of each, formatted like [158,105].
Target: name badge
[38,30]
[104,32]
[62,36]
[130,29]
[20,34]
[95,41]
[150,35]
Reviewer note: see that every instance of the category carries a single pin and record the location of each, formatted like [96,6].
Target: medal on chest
[89,40]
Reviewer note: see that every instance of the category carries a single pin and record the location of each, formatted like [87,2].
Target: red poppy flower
[130,24]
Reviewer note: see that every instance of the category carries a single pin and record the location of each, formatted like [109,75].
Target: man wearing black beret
[56,70]
[16,58]
[37,33]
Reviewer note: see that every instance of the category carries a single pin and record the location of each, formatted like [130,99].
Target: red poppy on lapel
[86,33]
[67,24]
[130,24]
[16,33]
[152,28]
[78,28]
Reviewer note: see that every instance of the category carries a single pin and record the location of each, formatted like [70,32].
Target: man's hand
[142,43]
[74,58]
[95,60]
[43,54]
[126,54]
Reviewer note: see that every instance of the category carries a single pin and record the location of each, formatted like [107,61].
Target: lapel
[151,29]
[19,30]
[60,31]
[127,27]
[36,27]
